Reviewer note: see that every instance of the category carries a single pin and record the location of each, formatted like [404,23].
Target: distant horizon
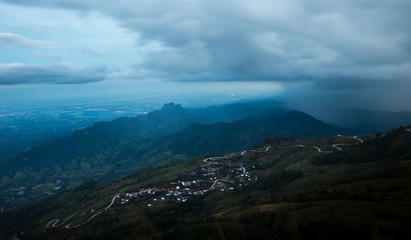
[312,56]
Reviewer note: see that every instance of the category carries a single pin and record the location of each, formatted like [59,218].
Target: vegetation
[360,192]
[108,151]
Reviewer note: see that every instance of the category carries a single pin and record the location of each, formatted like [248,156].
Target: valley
[110,150]
[205,120]
[195,184]
[249,194]
[174,174]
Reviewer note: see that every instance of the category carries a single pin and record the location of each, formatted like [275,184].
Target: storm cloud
[18,73]
[284,40]
[342,53]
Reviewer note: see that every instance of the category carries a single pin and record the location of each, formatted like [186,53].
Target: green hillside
[93,153]
[242,134]
[283,189]
[110,150]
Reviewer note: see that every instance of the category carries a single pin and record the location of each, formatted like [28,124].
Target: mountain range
[110,150]
[339,187]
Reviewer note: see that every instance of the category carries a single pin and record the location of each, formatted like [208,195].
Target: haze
[308,53]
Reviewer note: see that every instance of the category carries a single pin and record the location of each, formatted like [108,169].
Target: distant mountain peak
[172,105]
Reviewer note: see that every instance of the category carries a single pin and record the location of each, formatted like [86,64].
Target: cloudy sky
[351,53]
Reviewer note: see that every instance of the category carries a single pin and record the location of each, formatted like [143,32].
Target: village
[224,173]
[214,174]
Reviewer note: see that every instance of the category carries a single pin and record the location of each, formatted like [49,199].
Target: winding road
[259,151]
[54,222]
[339,144]
[334,145]
[357,138]
[321,151]
[112,202]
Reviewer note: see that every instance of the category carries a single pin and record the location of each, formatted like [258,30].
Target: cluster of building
[142,193]
[59,184]
[215,174]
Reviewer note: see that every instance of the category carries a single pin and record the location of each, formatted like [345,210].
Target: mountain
[110,150]
[104,137]
[89,153]
[242,134]
[236,111]
[334,188]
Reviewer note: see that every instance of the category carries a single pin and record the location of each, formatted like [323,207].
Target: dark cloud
[17,73]
[364,43]
[342,83]
[10,40]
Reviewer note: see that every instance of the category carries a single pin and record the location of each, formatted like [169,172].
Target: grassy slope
[362,192]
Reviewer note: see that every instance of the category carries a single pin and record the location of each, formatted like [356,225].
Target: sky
[317,53]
